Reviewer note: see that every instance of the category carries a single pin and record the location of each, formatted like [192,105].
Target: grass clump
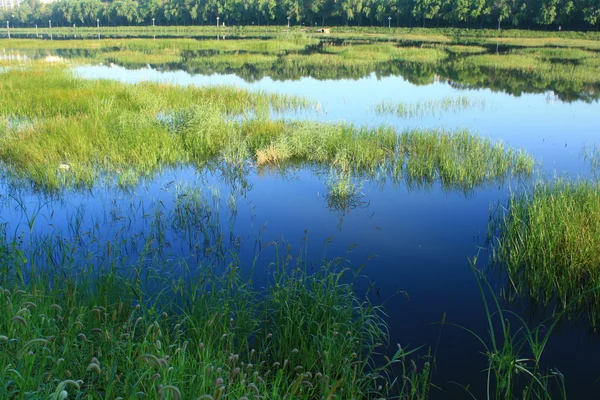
[343,193]
[458,160]
[547,241]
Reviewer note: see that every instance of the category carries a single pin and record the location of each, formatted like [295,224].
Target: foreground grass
[106,307]
[211,337]
[57,131]
[547,241]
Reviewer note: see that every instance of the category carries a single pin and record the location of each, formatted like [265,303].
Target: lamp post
[153,22]
[98,23]
[288,22]
[49,24]
[217,21]
[389,22]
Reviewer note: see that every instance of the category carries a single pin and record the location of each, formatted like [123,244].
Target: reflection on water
[459,66]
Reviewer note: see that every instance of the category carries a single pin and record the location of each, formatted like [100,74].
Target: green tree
[426,9]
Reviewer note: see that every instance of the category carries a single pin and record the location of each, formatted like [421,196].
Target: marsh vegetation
[155,290]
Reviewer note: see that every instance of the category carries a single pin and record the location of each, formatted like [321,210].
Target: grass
[457,160]
[107,323]
[430,107]
[106,129]
[514,351]
[101,126]
[343,193]
[546,241]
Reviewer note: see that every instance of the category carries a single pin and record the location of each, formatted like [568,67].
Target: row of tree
[579,14]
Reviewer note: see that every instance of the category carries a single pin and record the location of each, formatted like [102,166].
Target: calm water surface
[423,237]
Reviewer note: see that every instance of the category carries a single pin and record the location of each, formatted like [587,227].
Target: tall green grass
[546,241]
[75,132]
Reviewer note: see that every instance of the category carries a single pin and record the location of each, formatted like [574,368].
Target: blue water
[423,238]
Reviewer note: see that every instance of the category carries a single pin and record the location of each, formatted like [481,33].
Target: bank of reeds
[74,132]
[456,160]
[547,241]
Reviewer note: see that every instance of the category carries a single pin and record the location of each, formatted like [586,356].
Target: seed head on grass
[174,390]
[20,320]
[93,367]
[29,304]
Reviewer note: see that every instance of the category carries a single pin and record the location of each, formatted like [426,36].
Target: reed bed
[456,160]
[78,131]
[546,241]
[94,127]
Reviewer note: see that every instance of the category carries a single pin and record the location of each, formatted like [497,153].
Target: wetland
[299,216]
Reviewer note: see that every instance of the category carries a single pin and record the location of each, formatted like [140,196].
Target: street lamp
[389,22]
[98,23]
[49,24]
[153,22]
[217,21]
[288,22]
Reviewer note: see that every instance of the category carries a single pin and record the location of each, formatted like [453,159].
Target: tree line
[545,14]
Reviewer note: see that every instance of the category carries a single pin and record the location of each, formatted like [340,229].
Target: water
[423,238]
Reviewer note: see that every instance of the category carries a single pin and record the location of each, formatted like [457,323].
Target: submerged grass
[430,107]
[546,240]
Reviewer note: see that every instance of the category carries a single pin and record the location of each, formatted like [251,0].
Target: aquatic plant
[546,242]
[118,132]
[429,107]
[343,194]
[514,351]
[166,327]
